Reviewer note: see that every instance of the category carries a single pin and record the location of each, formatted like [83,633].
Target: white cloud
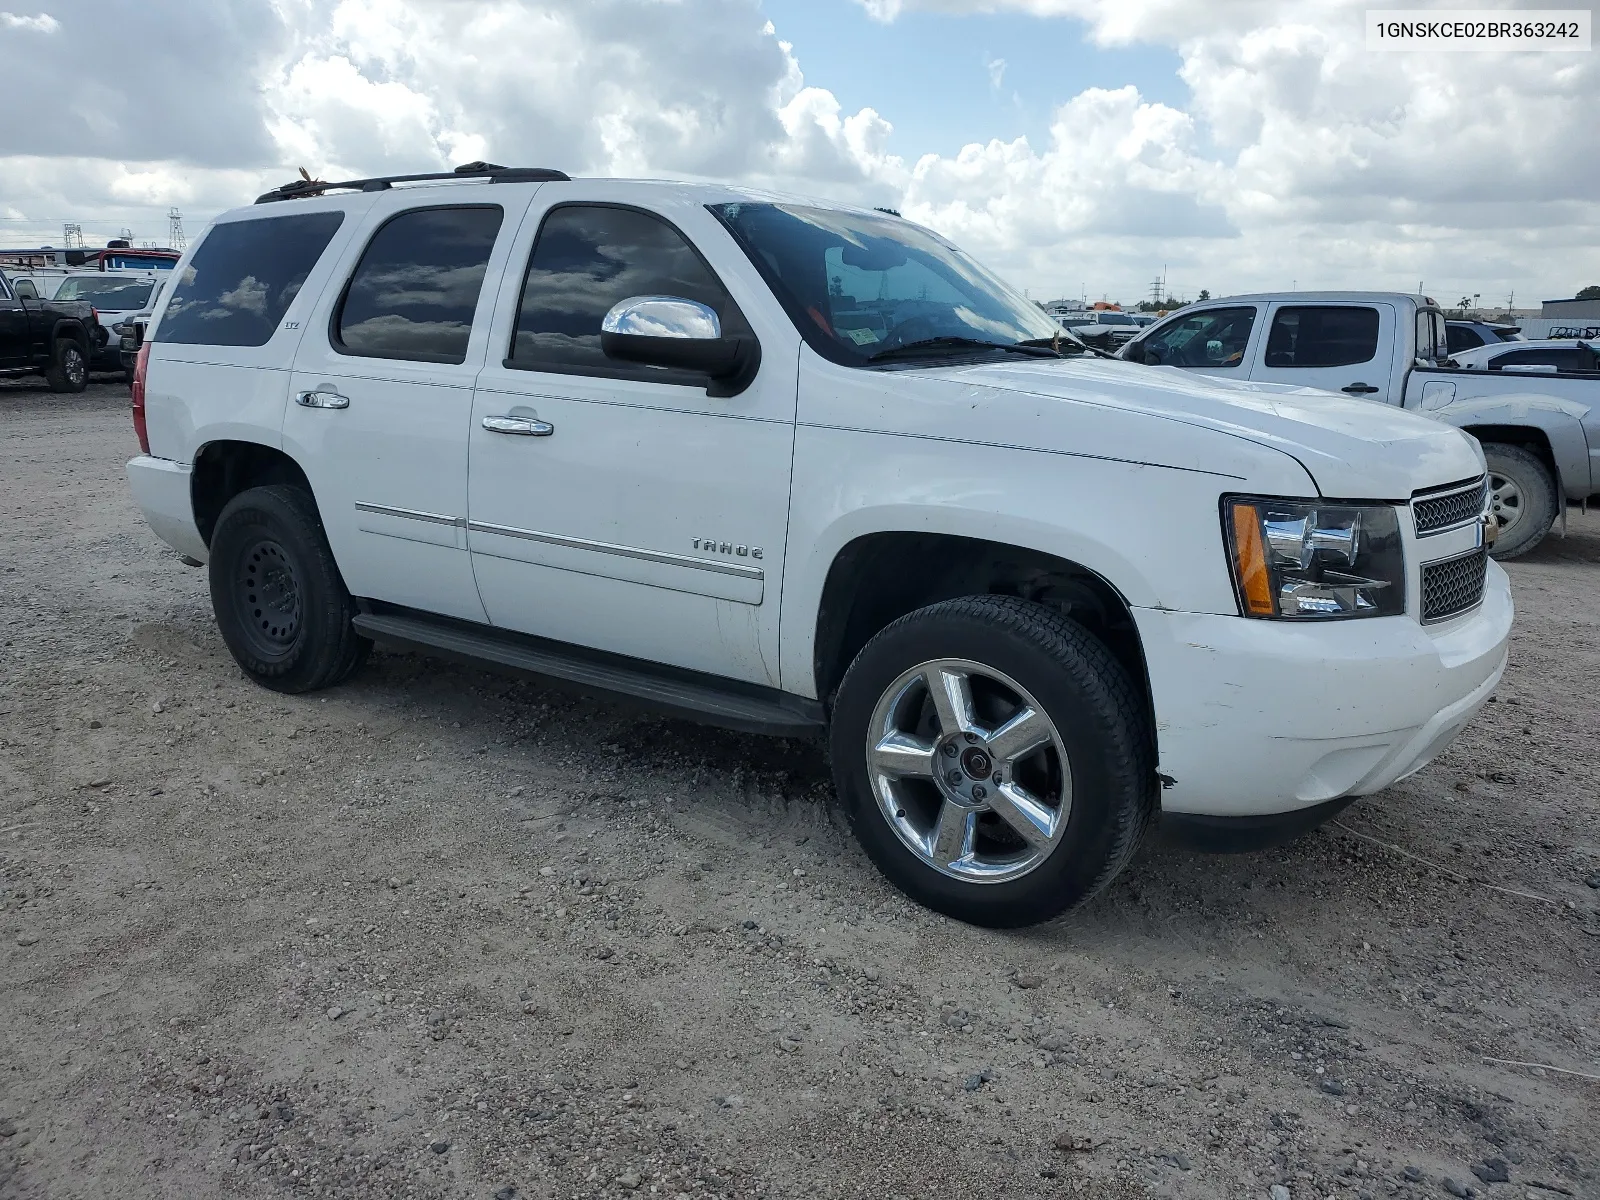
[1298,154]
[42,23]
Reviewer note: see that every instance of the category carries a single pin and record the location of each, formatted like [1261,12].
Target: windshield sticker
[862,337]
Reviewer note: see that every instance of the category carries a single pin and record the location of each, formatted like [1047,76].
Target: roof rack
[300,188]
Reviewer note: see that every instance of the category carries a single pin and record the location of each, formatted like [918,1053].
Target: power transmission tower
[1155,291]
[175,238]
[72,235]
[126,235]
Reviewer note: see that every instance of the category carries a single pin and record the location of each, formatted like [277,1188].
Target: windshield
[108,292]
[856,284]
[1111,318]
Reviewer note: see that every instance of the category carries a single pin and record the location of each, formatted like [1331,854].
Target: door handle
[321,399]
[1358,389]
[522,426]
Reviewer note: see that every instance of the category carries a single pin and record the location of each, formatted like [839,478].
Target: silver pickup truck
[1540,432]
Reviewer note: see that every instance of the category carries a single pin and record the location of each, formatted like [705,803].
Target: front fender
[1154,534]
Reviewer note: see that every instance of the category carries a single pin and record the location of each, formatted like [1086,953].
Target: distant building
[1581,309]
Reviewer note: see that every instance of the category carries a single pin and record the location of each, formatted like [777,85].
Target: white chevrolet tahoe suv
[793,467]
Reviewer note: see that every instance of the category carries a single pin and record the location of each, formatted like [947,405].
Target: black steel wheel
[281,604]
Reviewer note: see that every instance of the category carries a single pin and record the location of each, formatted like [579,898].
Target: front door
[618,506]
[1213,341]
[382,394]
[1345,348]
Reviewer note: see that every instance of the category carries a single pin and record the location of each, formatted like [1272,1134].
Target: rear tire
[1523,498]
[280,602]
[69,367]
[1090,784]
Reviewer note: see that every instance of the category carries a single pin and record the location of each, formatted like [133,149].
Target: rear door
[1340,347]
[381,392]
[13,328]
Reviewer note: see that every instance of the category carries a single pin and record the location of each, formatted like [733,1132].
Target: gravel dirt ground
[436,933]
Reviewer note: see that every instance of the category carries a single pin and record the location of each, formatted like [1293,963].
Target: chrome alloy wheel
[74,367]
[969,771]
[1505,500]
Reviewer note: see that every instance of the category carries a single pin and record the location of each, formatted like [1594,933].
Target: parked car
[130,333]
[1392,348]
[1102,329]
[116,295]
[1465,335]
[1549,357]
[45,337]
[607,429]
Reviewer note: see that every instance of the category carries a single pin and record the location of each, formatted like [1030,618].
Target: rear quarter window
[243,278]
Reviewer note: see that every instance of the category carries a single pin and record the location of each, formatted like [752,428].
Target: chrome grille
[1446,510]
[1453,585]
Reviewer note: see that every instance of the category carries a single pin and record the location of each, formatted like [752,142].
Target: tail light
[141,364]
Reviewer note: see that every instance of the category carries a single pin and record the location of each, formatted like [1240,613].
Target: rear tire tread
[330,649]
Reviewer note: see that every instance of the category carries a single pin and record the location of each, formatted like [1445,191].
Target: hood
[1352,449]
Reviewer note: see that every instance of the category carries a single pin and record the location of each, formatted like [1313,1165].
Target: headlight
[1302,560]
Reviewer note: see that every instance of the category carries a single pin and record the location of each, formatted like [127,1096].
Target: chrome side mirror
[663,317]
[683,335]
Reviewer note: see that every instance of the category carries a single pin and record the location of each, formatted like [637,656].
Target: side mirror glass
[680,334]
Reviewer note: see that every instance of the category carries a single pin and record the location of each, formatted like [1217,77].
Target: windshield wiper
[949,342]
[1068,344]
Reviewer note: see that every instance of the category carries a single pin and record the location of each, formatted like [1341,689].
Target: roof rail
[300,188]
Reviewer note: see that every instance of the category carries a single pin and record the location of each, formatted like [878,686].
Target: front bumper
[161,490]
[1263,717]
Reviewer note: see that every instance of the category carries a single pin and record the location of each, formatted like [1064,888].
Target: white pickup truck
[1540,435]
[798,468]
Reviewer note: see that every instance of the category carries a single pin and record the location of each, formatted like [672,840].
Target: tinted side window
[1214,338]
[414,292]
[1575,359]
[242,279]
[1322,337]
[587,259]
[1460,338]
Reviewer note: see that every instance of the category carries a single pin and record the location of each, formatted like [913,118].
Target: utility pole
[175,238]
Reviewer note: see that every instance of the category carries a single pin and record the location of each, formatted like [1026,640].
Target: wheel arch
[224,468]
[71,327]
[877,578]
[1550,432]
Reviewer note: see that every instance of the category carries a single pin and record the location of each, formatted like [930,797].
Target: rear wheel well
[224,469]
[879,578]
[1532,439]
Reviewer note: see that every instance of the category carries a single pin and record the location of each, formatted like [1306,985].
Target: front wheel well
[224,469]
[1531,438]
[879,578]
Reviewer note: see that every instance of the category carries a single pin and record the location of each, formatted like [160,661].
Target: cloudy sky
[1078,146]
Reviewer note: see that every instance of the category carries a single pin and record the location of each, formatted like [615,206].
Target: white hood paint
[1352,449]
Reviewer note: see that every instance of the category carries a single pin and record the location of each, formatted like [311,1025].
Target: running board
[712,701]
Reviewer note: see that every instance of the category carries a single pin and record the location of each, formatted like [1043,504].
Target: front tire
[994,758]
[280,602]
[1522,498]
[69,369]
